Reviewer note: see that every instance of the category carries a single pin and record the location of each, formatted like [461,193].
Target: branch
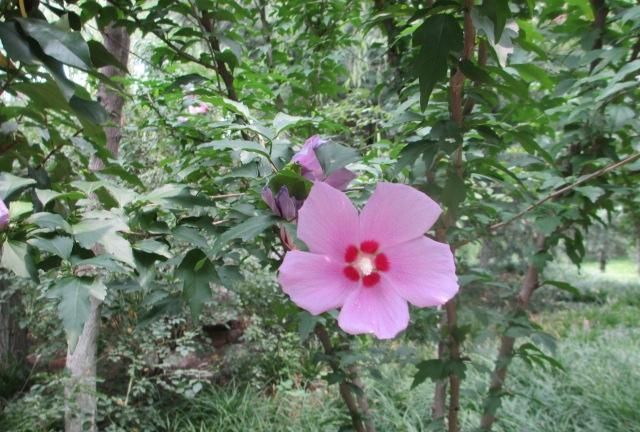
[505,353]
[345,391]
[565,189]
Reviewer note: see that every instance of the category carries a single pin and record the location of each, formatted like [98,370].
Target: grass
[599,391]
[598,344]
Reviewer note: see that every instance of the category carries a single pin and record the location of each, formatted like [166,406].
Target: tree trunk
[638,245]
[80,392]
[13,339]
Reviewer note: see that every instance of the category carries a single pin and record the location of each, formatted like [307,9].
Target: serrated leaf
[58,245]
[196,272]
[246,231]
[237,145]
[102,228]
[153,247]
[591,192]
[283,121]
[434,369]
[10,184]
[49,221]
[75,303]
[16,257]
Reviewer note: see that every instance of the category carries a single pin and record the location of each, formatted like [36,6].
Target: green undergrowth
[598,389]
[598,345]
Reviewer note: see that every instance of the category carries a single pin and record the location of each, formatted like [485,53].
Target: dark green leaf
[196,273]
[66,47]
[498,12]
[246,231]
[438,36]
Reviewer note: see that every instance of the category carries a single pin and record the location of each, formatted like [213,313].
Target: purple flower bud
[312,169]
[4,215]
[283,204]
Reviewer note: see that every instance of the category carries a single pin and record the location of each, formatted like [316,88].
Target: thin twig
[565,189]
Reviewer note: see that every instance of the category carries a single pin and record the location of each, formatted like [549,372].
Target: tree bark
[13,339]
[637,224]
[80,392]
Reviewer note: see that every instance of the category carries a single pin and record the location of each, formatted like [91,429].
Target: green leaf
[548,225]
[106,262]
[196,273]
[498,12]
[102,227]
[591,192]
[237,145]
[283,121]
[58,245]
[434,369]
[74,306]
[175,196]
[49,221]
[334,156]
[100,56]
[566,287]
[17,46]
[455,191]
[19,208]
[306,324]
[16,257]
[153,247]
[246,231]
[438,36]
[290,177]
[10,184]
[475,73]
[191,236]
[66,47]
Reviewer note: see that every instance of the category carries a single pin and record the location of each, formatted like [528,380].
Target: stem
[456,87]
[505,352]
[345,391]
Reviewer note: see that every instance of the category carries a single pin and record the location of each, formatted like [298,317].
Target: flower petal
[314,282]
[286,204]
[377,310]
[340,178]
[396,213]
[267,197]
[328,222]
[307,158]
[422,271]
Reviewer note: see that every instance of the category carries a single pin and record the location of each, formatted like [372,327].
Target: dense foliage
[518,117]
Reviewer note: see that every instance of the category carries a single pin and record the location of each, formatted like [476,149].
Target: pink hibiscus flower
[4,215]
[199,108]
[311,168]
[369,264]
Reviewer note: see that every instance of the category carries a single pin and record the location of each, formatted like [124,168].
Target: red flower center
[365,262]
